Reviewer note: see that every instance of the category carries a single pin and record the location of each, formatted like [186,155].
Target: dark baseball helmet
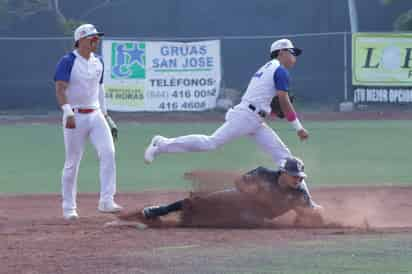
[294,167]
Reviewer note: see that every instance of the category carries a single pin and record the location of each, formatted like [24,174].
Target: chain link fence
[319,78]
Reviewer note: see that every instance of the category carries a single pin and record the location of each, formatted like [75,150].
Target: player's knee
[107,155]
[71,165]
[215,143]
[69,171]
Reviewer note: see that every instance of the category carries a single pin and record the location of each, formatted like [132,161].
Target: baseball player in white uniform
[80,94]
[248,117]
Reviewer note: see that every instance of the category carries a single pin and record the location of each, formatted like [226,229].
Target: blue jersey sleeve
[281,79]
[64,68]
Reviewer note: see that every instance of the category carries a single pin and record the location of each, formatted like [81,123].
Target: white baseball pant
[90,126]
[240,121]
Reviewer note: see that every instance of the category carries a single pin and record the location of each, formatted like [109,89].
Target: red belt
[83,110]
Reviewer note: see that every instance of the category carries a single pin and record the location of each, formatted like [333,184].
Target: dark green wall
[28,66]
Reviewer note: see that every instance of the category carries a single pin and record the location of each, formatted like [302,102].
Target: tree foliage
[404,20]
[15,11]
[23,8]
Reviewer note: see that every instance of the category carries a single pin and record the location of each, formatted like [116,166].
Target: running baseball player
[80,94]
[259,196]
[270,82]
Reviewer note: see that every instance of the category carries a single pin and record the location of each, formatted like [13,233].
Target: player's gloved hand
[276,110]
[113,127]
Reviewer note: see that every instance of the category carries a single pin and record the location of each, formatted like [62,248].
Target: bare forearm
[61,87]
[290,114]
[285,103]
[61,93]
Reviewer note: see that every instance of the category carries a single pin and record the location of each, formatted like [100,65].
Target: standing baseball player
[248,117]
[259,196]
[80,94]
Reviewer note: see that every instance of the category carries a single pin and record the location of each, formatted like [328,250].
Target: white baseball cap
[86,30]
[285,44]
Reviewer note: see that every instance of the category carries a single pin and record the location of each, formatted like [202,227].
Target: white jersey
[84,78]
[264,84]
[85,88]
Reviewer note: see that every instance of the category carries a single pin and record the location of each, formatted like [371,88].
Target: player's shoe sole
[151,151]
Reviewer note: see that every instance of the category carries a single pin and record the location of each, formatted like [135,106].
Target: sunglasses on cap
[294,52]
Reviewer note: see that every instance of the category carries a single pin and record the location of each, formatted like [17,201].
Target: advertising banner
[382,59]
[161,76]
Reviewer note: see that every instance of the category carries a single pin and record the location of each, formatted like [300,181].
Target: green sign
[382,59]
[128,60]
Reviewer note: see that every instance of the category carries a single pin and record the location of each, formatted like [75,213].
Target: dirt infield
[35,239]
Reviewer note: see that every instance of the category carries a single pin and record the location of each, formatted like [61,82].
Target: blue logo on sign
[128,60]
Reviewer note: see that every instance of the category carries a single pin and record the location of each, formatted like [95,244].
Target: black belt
[261,113]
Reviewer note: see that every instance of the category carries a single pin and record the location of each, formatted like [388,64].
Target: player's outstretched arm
[284,102]
[290,114]
[309,216]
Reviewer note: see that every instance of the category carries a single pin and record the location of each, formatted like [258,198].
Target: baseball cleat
[109,207]
[150,212]
[70,214]
[152,150]
[150,216]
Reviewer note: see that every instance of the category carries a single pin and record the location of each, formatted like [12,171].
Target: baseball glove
[113,128]
[275,106]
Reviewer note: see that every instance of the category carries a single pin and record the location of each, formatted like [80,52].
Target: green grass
[337,153]
[351,254]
